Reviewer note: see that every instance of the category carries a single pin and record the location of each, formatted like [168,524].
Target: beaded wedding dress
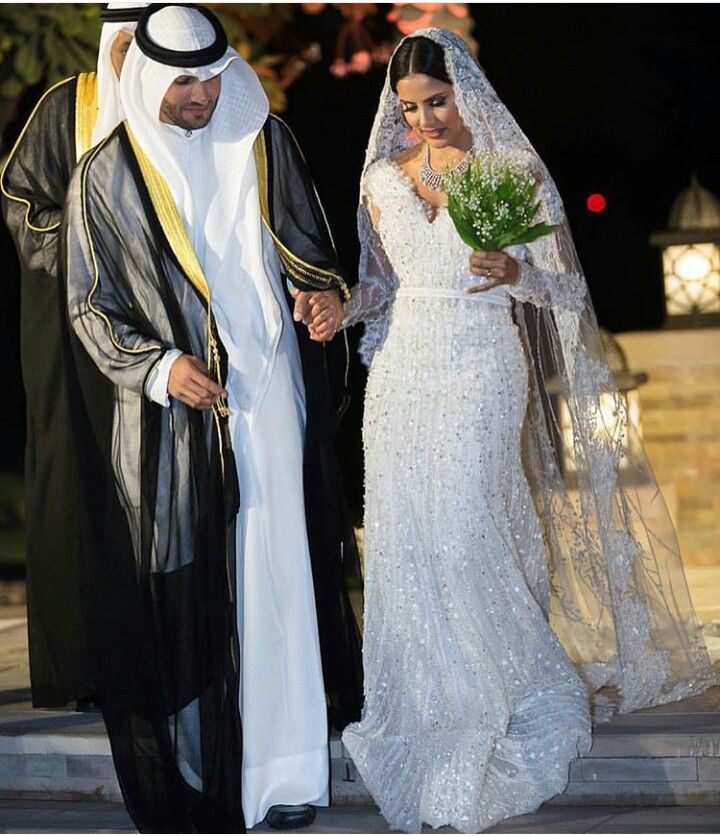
[506,595]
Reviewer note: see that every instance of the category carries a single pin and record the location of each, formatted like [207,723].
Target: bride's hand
[327,315]
[498,267]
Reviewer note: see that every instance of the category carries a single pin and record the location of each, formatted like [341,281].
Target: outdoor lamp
[691,259]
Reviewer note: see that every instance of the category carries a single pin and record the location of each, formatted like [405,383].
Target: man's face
[190,103]
[119,49]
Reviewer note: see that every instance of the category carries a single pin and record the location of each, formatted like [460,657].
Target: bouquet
[494,201]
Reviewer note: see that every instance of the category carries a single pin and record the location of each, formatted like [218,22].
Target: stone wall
[680,414]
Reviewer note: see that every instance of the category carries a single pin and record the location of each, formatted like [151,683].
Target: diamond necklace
[435,180]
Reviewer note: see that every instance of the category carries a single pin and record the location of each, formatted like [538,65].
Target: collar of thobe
[188,136]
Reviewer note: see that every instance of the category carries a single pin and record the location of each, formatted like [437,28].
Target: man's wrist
[156,386]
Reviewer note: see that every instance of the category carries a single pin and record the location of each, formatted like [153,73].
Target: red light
[596,203]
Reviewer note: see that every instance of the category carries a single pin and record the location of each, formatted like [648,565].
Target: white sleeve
[157,382]
[545,288]
[377,282]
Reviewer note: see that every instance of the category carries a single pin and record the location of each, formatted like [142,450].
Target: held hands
[321,311]
[498,267]
[190,383]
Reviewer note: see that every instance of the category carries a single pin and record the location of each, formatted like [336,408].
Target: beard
[183,118]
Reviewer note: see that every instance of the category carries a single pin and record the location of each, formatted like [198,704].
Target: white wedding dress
[473,710]
[506,591]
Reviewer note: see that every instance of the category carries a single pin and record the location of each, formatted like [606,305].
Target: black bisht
[34,182]
[164,498]
[294,213]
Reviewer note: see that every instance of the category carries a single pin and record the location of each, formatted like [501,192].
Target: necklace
[435,180]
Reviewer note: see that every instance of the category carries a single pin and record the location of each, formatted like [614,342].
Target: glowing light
[692,278]
[596,203]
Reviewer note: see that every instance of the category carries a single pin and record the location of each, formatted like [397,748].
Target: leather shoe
[290,816]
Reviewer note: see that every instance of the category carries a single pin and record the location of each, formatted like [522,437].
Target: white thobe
[282,696]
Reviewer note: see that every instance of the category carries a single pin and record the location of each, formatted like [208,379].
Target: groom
[222,594]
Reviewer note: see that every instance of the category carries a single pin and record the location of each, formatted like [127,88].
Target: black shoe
[290,816]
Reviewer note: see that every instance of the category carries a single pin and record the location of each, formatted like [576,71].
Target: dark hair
[418,55]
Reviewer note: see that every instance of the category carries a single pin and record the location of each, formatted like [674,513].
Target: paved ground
[26,816]
[90,817]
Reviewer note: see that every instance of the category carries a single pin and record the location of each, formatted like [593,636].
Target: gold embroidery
[5,192]
[96,272]
[294,265]
[86,110]
[170,220]
[178,238]
[167,214]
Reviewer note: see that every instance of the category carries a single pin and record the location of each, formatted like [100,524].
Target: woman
[506,592]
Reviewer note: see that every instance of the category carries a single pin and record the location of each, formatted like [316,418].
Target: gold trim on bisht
[86,111]
[295,267]
[96,273]
[170,220]
[5,192]
[178,238]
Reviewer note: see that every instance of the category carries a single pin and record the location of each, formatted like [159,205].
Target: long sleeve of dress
[377,283]
[101,307]
[374,292]
[35,177]
[546,287]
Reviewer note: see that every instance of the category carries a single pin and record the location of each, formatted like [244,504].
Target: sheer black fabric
[298,220]
[163,620]
[34,183]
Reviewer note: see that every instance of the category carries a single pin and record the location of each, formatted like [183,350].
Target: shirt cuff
[157,382]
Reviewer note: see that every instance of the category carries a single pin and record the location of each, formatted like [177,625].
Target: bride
[517,581]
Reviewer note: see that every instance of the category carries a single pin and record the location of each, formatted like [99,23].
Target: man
[70,117]
[214,608]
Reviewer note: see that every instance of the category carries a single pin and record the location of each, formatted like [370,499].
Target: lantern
[691,259]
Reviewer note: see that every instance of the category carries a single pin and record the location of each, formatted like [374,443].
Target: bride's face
[428,106]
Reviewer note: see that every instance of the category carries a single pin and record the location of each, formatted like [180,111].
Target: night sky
[620,99]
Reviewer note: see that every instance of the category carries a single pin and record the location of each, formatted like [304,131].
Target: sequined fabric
[473,710]
[617,597]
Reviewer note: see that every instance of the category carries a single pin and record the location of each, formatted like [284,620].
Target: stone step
[668,755]
[664,756]
[598,781]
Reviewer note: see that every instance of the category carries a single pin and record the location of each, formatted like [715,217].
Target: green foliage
[12,549]
[45,42]
[249,28]
[494,202]
[12,499]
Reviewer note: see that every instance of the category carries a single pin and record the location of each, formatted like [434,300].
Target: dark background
[620,99]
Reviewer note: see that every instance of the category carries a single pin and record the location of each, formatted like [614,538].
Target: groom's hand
[327,314]
[301,312]
[190,382]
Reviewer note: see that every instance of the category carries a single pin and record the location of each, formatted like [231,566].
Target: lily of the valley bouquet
[494,201]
